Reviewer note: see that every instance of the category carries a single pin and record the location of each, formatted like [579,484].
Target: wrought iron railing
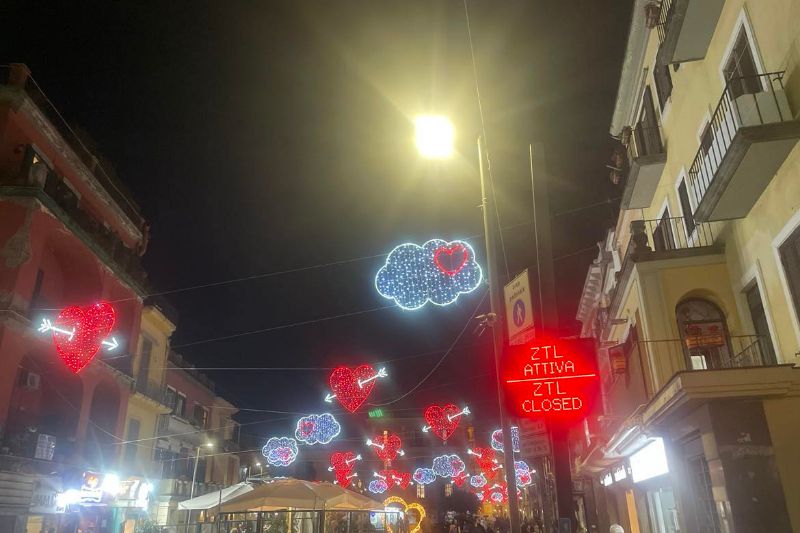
[664,18]
[645,140]
[665,234]
[712,351]
[745,101]
[152,389]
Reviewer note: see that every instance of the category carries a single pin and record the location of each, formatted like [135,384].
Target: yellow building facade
[695,296]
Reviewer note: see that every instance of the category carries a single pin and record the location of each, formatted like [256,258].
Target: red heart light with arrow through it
[78,333]
[451,259]
[443,420]
[352,386]
[386,447]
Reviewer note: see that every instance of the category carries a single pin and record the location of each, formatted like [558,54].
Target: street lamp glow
[434,136]
[209,444]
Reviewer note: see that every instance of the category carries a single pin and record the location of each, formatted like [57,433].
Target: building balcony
[646,156]
[706,351]
[181,490]
[153,391]
[685,29]
[34,179]
[175,426]
[749,137]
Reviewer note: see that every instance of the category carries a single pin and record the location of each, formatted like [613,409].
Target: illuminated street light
[434,136]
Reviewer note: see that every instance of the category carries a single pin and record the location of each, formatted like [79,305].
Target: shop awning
[300,495]
[213,499]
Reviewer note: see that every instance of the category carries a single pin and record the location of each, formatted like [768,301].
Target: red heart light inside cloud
[350,385]
[91,325]
[386,448]
[443,420]
[451,259]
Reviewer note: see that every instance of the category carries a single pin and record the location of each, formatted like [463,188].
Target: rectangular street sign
[535,446]
[519,311]
[532,426]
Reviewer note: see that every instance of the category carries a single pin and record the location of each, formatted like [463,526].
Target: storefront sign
[555,380]
[45,492]
[532,426]
[649,462]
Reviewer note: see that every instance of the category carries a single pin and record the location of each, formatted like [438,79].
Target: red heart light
[343,479]
[345,381]
[485,459]
[386,448]
[91,325]
[402,479]
[460,479]
[343,462]
[443,420]
[451,266]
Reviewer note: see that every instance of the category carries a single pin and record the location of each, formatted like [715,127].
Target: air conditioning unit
[31,381]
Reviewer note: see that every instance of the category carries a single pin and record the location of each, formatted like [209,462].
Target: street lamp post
[260,470]
[434,139]
[194,476]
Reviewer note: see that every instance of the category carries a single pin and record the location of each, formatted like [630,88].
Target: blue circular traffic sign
[518,314]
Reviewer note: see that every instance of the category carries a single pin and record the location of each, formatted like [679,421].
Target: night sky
[260,137]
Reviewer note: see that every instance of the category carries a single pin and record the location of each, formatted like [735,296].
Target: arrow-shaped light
[464,411]
[476,454]
[401,452]
[378,475]
[381,374]
[370,443]
[329,397]
[111,344]
[425,429]
[356,458]
[498,467]
[48,326]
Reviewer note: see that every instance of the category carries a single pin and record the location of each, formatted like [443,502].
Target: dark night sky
[265,136]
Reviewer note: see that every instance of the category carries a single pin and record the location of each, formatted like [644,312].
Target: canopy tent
[212,500]
[299,495]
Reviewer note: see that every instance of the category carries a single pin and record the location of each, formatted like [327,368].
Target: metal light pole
[194,476]
[497,323]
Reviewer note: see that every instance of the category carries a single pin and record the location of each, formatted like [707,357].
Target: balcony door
[740,71]
[648,138]
[704,334]
[760,324]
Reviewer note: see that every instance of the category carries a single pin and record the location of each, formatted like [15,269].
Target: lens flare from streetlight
[434,136]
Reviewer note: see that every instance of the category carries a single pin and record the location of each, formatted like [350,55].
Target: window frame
[742,23]
[691,236]
[788,230]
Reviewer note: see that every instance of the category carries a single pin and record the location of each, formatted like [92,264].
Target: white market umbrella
[299,495]
[212,499]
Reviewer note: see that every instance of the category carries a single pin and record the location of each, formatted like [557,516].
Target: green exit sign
[376,413]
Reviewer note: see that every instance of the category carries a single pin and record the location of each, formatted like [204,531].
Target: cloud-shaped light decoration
[424,476]
[477,481]
[378,486]
[280,451]
[436,272]
[317,429]
[448,465]
[497,439]
[523,473]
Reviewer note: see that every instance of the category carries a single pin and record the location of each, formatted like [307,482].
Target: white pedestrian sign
[519,312]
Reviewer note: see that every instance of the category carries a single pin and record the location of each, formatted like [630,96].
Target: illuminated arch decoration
[352,386]
[80,332]
[436,272]
[497,439]
[420,510]
[280,451]
[317,429]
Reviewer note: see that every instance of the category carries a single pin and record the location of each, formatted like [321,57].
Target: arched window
[704,334]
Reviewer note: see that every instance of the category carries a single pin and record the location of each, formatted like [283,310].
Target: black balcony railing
[665,234]
[18,78]
[664,17]
[152,389]
[37,179]
[645,140]
[746,101]
[710,352]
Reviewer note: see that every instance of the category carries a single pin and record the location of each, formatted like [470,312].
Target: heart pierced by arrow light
[79,332]
[352,386]
[386,447]
[443,420]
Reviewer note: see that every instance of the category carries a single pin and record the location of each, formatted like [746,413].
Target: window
[37,289]
[646,135]
[420,491]
[144,360]
[760,324]
[686,208]
[169,398]
[740,71]
[663,82]
[200,416]
[662,235]
[132,447]
[790,257]
[180,404]
[448,489]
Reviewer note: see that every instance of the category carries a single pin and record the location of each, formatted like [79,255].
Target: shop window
[420,491]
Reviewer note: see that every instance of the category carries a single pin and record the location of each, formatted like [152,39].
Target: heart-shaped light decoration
[350,385]
[460,478]
[402,479]
[387,448]
[91,325]
[451,259]
[443,420]
[343,462]
[485,459]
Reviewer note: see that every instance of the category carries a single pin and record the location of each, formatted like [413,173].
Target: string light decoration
[478,481]
[352,386]
[378,486]
[342,463]
[497,439]
[317,429]
[280,451]
[443,419]
[80,332]
[449,465]
[436,272]
[387,447]
[393,477]
[484,457]
[343,479]
[460,478]
[523,473]
[424,476]
[406,507]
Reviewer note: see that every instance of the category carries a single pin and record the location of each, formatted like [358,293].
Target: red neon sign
[556,379]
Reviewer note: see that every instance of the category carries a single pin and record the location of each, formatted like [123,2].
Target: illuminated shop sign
[607,480]
[556,379]
[619,473]
[649,462]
